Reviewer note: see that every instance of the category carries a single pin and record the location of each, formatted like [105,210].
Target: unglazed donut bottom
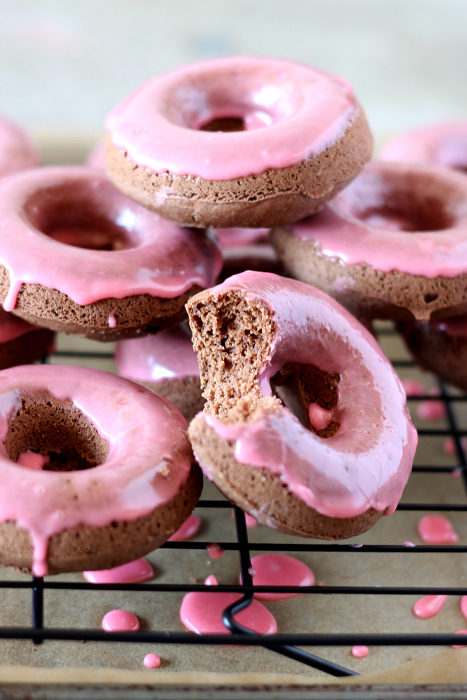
[391,246]
[258,332]
[246,142]
[97,494]
[98,265]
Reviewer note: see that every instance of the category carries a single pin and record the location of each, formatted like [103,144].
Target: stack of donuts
[305,424]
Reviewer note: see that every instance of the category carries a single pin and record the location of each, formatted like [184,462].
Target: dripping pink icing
[280,570]
[152,661]
[211,581]
[436,529]
[319,417]
[367,462]
[459,646]
[291,112]
[188,530]
[158,258]
[120,621]
[464,605]
[441,144]
[139,474]
[202,613]
[239,237]
[429,606]
[341,230]
[360,651]
[16,150]
[215,551]
[250,520]
[32,460]
[133,572]
[166,355]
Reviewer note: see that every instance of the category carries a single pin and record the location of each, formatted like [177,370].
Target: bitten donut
[237,142]
[96,470]
[20,342]
[341,462]
[440,144]
[165,363]
[17,152]
[97,264]
[392,245]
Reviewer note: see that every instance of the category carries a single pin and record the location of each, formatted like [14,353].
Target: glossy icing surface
[16,150]
[367,462]
[440,144]
[360,651]
[188,530]
[290,112]
[148,457]
[429,606]
[345,230]
[166,355]
[202,613]
[436,529]
[152,661]
[133,572]
[120,621]
[40,209]
[215,551]
[280,570]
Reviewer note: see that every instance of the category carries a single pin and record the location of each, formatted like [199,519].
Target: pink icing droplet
[250,520]
[431,410]
[152,661]
[280,570]
[215,551]
[409,544]
[188,530]
[32,460]
[449,446]
[436,529]
[202,613]
[133,572]
[360,651]
[429,606]
[211,581]
[120,621]
[112,320]
[456,473]
[319,417]
[413,387]
[464,605]
[459,646]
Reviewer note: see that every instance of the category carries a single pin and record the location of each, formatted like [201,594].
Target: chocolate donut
[20,342]
[237,142]
[341,462]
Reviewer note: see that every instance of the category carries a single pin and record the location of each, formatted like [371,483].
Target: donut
[96,470]
[246,249]
[17,152]
[20,342]
[165,363]
[393,245]
[237,141]
[336,457]
[98,265]
[440,144]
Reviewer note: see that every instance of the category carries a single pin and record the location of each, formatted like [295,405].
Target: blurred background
[64,65]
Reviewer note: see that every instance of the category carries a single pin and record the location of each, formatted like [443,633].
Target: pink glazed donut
[97,264]
[332,467]
[442,144]
[16,150]
[237,141]
[96,470]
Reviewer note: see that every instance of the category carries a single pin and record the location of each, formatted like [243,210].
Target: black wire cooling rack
[284,644]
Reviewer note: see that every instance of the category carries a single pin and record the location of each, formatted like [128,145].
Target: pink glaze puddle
[152,661]
[250,521]
[32,460]
[459,646]
[202,613]
[436,529]
[360,651]
[429,606]
[120,621]
[319,417]
[431,410]
[464,605]
[211,581]
[280,570]
[133,572]
[449,446]
[188,530]
[409,544]
[215,551]
[413,387]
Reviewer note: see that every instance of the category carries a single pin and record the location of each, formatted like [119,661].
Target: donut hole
[58,431]
[226,124]
[74,216]
[407,199]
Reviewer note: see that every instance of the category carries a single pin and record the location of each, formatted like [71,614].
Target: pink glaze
[250,520]
[280,570]
[202,613]
[156,257]
[188,530]
[319,417]
[32,460]
[152,661]
[429,606]
[240,237]
[148,459]
[12,327]
[166,355]
[134,572]
[459,646]
[215,551]
[211,581]
[291,112]
[456,473]
[456,326]
[436,529]
[367,462]
[16,150]
[409,544]
[343,230]
[441,144]
[360,651]
[413,387]
[120,621]
[464,605]
[431,410]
